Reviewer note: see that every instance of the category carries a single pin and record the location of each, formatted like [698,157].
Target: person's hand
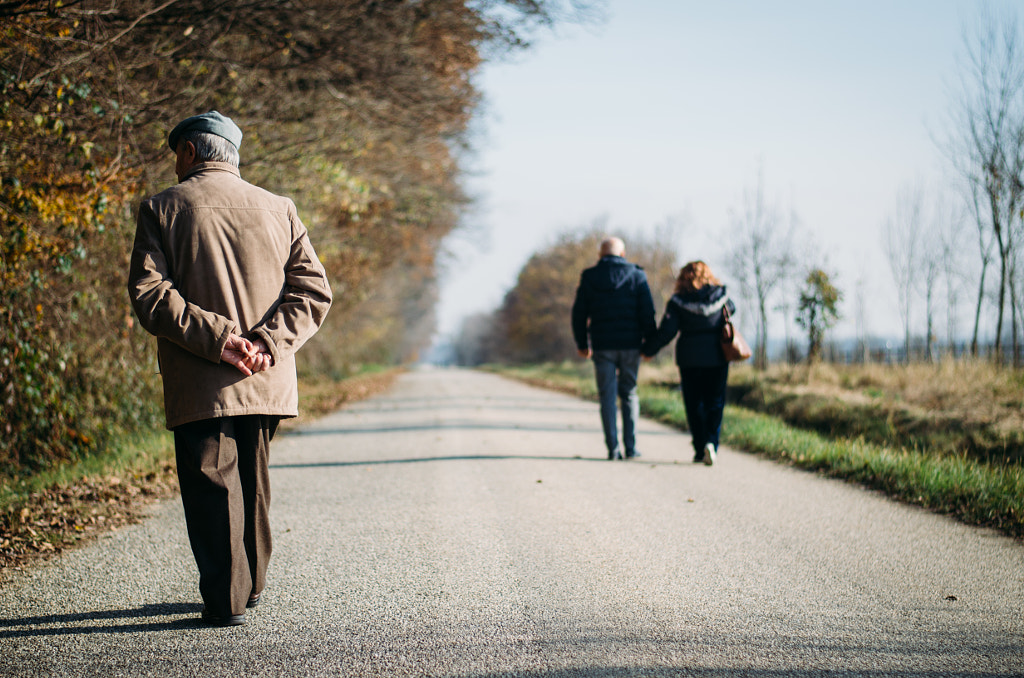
[240,352]
[248,356]
[262,359]
[585,352]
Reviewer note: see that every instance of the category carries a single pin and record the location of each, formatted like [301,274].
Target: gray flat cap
[212,122]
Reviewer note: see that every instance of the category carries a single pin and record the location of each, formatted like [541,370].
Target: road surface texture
[465,525]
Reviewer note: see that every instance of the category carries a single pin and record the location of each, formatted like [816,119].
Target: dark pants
[704,400]
[225,489]
[616,373]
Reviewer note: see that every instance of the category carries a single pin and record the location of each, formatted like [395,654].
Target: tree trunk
[1001,310]
[761,360]
[1004,267]
[906,337]
[929,340]
[1014,326]
[977,309]
[907,291]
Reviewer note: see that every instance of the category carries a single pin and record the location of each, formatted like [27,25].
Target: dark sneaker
[614,454]
[215,620]
[632,455]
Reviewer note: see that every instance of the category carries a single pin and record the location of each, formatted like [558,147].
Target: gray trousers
[225,490]
[616,373]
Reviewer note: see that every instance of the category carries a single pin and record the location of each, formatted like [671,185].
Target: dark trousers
[225,489]
[616,373]
[704,400]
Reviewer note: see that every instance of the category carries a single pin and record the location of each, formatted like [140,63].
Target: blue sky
[668,108]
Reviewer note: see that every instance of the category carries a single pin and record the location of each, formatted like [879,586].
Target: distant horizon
[442,351]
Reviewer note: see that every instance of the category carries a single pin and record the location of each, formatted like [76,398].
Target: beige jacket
[216,255]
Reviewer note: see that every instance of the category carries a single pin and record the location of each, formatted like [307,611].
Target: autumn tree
[357,109]
[817,310]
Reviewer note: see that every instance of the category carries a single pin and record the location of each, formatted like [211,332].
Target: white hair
[211,148]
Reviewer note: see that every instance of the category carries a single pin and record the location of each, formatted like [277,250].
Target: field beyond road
[462,524]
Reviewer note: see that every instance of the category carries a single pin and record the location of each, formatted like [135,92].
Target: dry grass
[975,391]
[964,407]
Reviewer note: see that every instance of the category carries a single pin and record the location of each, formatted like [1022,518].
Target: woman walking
[696,312]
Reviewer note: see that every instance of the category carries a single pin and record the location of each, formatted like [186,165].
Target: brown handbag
[734,346]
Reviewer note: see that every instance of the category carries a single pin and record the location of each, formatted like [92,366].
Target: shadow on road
[468,404]
[67,624]
[464,426]
[708,672]
[475,457]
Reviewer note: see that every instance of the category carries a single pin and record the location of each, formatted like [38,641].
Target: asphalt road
[464,525]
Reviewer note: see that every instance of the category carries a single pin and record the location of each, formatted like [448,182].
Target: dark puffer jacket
[697,317]
[615,298]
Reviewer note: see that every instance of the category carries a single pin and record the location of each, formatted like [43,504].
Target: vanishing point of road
[465,525]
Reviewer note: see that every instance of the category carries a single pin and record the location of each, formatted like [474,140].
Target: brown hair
[694,276]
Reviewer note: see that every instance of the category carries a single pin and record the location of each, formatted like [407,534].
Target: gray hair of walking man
[210,147]
[210,137]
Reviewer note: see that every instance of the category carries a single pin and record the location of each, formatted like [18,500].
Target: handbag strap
[727,331]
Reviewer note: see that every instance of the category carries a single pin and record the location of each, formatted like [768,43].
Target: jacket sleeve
[304,301]
[580,311]
[159,305]
[645,309]
[665,333]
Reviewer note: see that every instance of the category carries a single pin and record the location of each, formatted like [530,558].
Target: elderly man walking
[614,309]
[224,275]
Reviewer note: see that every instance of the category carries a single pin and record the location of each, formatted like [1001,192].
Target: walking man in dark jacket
[614,308]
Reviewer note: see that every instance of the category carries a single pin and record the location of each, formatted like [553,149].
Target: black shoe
[253,601]
[632,455]
[698,459]
[215,620]
[614,455]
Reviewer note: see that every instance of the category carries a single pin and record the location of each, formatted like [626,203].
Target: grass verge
[57,509]
[973,491]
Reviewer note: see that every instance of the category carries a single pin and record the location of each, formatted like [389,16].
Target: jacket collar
[706,301]
[211,167]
